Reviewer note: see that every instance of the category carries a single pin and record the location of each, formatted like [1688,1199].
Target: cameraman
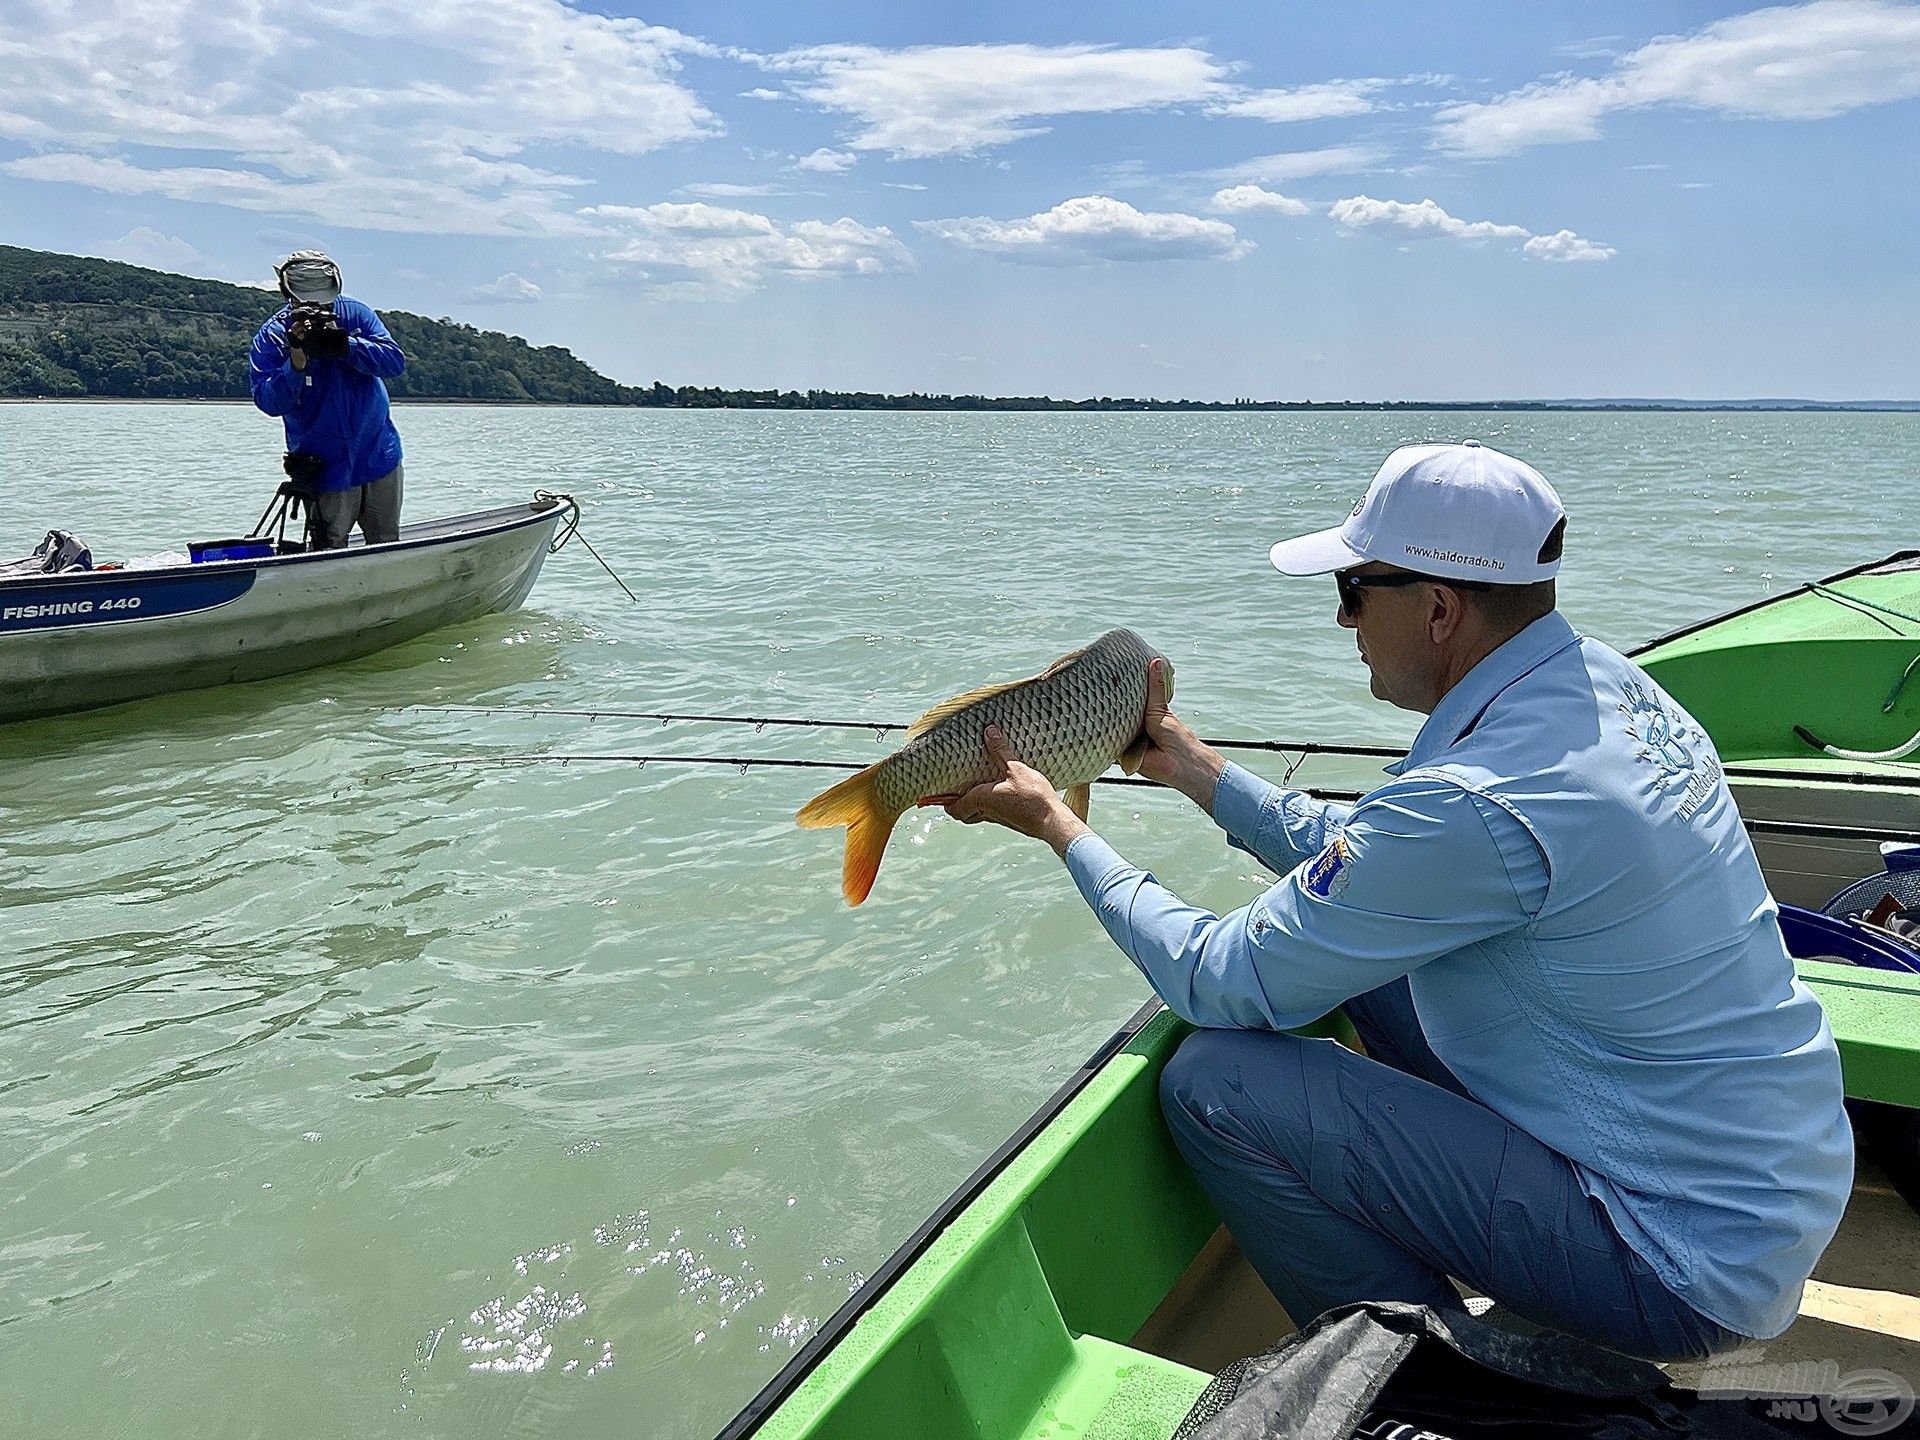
[319,363]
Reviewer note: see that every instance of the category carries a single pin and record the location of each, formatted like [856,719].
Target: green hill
[75,326]
[70,325]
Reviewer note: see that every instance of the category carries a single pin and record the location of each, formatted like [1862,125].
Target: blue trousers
[1346,1178]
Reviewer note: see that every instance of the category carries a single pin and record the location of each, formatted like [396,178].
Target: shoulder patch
[1329,871]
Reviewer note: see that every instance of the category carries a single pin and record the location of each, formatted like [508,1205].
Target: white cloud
[1565,245]
[509,287]
[144,246]
[1332,100]
[727,190]
[317,111]
[1241,198]
[404,204]
[1091,229]
[961,99]
[1800,62]
[902,185]
[712,250]
[1359,211]
[1301,164]
[826,161]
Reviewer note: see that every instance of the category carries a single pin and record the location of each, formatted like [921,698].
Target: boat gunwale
[499,520]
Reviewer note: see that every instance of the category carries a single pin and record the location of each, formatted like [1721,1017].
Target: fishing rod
[743,763]
[877,727]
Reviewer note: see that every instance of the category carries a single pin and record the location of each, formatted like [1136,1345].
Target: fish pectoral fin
[958,703]
[1131,757]
[1079,797]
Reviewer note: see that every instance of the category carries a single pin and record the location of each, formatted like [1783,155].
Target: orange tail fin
[852,803]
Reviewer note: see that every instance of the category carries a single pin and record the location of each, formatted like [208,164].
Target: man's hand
[1020,798]
[297,356]
[1176,757]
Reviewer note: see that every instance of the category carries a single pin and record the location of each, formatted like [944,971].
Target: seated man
[1594,1088]
[320,362]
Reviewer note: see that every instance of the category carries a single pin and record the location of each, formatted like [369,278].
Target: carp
[1069,722]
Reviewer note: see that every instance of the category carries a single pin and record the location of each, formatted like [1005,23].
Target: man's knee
[1214,1071]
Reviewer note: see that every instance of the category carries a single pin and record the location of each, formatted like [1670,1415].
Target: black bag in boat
[58,552]
[1383,1371]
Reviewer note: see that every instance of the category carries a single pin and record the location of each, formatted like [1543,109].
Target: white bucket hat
[1457,512]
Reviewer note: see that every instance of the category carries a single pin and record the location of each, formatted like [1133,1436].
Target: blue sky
[1393,201]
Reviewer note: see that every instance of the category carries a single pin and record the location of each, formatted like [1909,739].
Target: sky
[1467,201]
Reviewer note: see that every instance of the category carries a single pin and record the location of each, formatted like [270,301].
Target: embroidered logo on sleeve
[1329,871]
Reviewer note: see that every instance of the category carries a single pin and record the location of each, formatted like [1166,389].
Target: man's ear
[1448,614]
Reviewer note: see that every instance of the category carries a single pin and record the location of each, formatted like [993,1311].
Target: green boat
[1079,1285]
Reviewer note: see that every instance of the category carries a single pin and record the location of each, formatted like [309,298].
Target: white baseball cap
[1458,512]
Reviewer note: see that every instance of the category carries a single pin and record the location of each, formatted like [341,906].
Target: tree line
[75,326]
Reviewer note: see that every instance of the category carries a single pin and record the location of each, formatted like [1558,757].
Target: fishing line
[1303,748]
[572,529]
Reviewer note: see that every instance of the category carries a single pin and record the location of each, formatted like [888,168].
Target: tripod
[290,503]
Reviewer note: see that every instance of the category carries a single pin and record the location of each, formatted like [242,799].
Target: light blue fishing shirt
[1561,872]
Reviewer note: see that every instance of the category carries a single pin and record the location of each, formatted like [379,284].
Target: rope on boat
[1868,607]
[1898,752]
[571,529]
[1827,592]
[1893,695]
[1303,748]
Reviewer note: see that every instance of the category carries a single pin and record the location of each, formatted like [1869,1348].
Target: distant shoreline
[1161,407]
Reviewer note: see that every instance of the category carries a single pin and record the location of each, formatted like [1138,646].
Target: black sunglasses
[1350,585]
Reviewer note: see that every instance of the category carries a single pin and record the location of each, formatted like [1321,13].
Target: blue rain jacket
[1561,873]
[335,408]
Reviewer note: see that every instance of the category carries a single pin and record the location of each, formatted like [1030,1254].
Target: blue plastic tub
[1813,936]
[247,547]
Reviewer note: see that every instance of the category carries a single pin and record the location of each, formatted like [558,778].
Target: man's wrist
[1063,829]
[1204,779]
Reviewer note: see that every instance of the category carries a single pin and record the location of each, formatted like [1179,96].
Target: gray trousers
[374,507]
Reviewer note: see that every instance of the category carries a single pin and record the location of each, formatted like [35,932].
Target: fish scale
[1070,723]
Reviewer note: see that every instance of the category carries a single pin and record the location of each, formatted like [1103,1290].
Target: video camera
[312,327]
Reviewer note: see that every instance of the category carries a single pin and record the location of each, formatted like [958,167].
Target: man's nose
[1347,622]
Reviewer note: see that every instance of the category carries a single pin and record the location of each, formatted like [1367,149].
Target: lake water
[336,1100]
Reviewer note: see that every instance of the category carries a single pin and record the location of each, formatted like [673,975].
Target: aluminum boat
[85,638]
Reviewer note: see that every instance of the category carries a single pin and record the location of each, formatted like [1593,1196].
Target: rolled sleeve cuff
[1240,800]
[1094,864]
